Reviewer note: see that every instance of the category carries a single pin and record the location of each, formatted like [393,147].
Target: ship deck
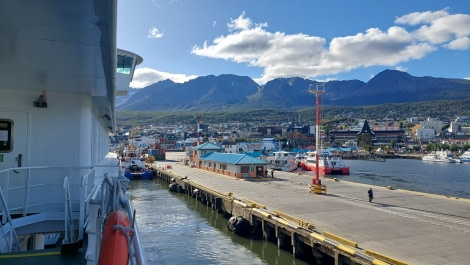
[47,256]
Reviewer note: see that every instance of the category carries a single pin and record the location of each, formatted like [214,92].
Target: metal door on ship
[13,139]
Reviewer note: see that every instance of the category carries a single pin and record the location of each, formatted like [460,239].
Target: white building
[414,120]
[230,147]
[432,123]
[462,120]
[425,134]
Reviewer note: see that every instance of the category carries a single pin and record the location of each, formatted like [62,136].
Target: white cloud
[144,77]
[401,68]
[287,55]
[242,23]
[416,18]
[459,44]
[154,33]
[444,29]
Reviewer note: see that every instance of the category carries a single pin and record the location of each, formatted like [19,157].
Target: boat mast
[317,92]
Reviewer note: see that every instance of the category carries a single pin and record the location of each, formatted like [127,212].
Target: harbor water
[449,179]
[176,229]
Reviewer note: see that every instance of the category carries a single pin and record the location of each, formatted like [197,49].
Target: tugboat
[133,167]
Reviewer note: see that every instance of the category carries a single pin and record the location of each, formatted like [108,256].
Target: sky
[313,39]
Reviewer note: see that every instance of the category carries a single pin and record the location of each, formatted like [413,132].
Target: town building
[211,157]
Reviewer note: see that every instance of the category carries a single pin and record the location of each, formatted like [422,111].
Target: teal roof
[235,159]
[208,146]
[254,154]
[342,149]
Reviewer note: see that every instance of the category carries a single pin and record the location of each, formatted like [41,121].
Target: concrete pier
[341,226]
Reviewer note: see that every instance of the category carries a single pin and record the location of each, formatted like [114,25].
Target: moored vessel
[133,165]
[283,161]
[465,158]
[440,156]
[328,164]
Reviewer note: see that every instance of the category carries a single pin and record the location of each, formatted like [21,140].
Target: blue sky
[319,40]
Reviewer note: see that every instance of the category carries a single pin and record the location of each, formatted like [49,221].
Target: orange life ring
[114,249]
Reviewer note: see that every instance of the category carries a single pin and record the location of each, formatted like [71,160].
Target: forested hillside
[442,109]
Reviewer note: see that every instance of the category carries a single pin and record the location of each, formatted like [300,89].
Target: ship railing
[11,238]
[30,195]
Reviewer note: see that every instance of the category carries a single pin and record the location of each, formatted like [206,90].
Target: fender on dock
[239,225]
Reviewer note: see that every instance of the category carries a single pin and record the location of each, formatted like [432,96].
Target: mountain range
[234,93]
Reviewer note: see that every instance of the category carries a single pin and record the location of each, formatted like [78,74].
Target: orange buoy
[114,249]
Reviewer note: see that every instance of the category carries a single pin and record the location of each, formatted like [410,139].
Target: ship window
[6,144]
[124,64]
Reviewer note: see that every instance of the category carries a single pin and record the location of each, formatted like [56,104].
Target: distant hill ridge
[235,93]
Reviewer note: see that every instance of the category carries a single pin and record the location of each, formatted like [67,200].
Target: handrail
[78,184]
[12,227]
[18,198]
[69,234]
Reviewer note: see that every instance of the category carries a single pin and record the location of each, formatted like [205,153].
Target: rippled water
[177,229]
[448,179]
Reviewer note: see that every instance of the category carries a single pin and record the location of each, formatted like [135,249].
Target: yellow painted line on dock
[284,222]
[263,213]
[317,237]
[255,204]
[242,204]
[379,262]
[25,255]
[297,220]
[347,249]
[385,258]
[340,239]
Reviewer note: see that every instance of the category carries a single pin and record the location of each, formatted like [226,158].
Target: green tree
[365,141]
[444,146]
[454,147]
[430,147]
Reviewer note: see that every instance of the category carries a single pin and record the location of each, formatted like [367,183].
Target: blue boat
[136,169]
[465,158]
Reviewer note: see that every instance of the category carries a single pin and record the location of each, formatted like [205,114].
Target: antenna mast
[318,116]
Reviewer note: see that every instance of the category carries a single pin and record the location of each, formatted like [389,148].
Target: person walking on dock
[272,173]
[371,195]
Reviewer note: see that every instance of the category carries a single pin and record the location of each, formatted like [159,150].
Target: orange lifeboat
[114,249]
